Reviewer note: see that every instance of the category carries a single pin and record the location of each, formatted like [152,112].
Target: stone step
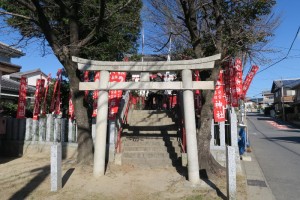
[151,122]
[150,162]
[150,154]
[138,141]
[152,114]
[148,131]
[139,148]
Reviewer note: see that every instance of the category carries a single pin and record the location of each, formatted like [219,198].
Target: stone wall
[33,137]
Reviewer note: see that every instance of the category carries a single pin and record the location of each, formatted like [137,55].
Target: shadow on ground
[291,139]
[204,177]
[33,183]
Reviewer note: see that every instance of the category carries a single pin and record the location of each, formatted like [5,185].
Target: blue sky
[284,35]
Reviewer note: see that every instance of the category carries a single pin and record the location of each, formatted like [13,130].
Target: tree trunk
[206,160]
[84,138]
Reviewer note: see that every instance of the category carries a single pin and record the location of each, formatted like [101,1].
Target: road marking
[276,125]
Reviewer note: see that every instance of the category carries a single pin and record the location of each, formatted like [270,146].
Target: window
[290,92]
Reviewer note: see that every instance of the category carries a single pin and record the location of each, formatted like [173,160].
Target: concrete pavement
[276,147]
[257,186]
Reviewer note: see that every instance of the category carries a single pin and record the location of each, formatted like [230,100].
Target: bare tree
[232,28]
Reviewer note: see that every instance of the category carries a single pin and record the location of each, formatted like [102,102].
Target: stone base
[219,154]
[246,158]
[184,160]
[36,149]
[118,158]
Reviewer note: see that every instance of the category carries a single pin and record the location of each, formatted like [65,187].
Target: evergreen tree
[93,29]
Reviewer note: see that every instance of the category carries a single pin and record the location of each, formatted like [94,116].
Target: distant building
[10,75]
[268,99]
[284,93]
[31,75]
[296,104]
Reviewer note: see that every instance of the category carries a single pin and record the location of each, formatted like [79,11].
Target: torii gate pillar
[187,85]
[190,127]
[101,127]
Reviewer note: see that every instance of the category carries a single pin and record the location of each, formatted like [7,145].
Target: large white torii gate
[187,85]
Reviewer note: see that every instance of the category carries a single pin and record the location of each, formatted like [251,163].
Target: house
[296,104]
[6,67]
[253,104]
[10,91]
[31,75]
[9,88]
[268,99]
[284,95]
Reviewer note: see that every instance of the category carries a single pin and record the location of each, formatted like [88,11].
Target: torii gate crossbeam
[187,85]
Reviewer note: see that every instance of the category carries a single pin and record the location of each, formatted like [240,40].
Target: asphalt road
[277,149]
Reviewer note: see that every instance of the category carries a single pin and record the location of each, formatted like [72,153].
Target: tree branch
[16,15]
[118,9]
[26,5]
[100,20]
[43,23]
[63,8]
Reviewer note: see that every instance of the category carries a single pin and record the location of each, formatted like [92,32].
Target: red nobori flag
[238,77]
[86,79]
[71,108]
[197,94]
[22,98]
[226,76]
[236,81]
[38,97]
[249,79]
[56,90]
[95,95]
[233,94]
[45,95]
[114,96]
[219,100]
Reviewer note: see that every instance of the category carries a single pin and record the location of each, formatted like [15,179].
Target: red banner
[38,97]
[22,98]
[227,83]
[55,101]
[45,95]
[95,95]
[114,96]
[219,100]
[86,79]
[197,94]
[238,77]
[249,79]
[71,108]
[233,95]
[236,82]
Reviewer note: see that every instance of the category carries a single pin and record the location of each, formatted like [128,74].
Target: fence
[225,133]
[47,129]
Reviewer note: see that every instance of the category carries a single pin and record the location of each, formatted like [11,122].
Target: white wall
[32,79]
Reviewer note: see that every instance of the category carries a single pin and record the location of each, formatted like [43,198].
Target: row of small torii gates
[187,85]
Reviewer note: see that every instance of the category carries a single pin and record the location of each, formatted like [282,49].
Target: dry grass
[28,178]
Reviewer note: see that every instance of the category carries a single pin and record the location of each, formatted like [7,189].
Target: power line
[285,55]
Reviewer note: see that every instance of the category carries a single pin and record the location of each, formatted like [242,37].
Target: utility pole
[282,101]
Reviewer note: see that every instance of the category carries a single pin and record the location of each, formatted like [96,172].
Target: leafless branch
[16,15]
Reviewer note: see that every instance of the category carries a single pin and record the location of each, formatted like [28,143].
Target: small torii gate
[187,85]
